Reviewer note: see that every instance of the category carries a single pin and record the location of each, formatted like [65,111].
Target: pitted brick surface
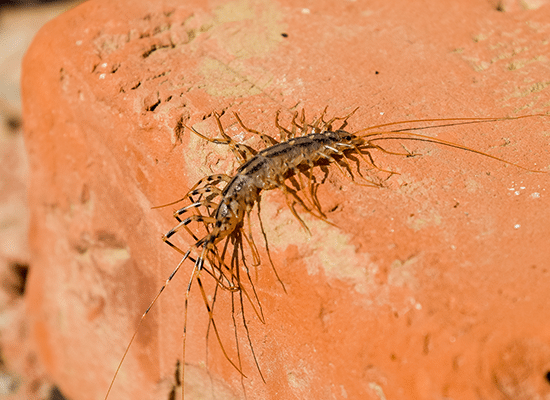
[422,288]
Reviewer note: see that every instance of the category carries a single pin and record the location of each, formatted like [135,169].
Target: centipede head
[346,138]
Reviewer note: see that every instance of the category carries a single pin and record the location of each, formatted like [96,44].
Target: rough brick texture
[433,286]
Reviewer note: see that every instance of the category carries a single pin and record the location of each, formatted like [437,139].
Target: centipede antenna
[459,121]
[425,138]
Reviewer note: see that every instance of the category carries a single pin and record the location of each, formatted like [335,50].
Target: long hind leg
[209,308]
[166,283]
[197,275]
[238,258]
[238,264]
[245,325]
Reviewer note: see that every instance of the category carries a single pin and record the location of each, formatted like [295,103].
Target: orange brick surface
[434,286]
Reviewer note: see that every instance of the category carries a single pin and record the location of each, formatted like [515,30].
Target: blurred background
[21,376]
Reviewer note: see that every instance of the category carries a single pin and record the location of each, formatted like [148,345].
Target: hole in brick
[178,129]
[13,123]
[152,107]
[177,373]
[547,376]
[110,239]
[55,394]
[17,280]
[151,102]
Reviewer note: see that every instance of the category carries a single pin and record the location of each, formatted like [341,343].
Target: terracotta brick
[433,286]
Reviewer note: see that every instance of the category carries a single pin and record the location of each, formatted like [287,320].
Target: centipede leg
[369,182]
[294,125]
[249,339]
[212,180]
[215,267]
[316,202]
[195,206]
[259,312]
[207,204]
[196,275]
[284,134]
[371,162]
[211,322]
[343,119]
[312,186]
[393,153]
[268,140]
[319,125]
[289,192]
[221,273]
[342,160]
[303,122]
[267,247]
[348,168]
[195,218]
[238,248]
[300,184]
[241,151]
[236,331]
[209,192]
[332,160]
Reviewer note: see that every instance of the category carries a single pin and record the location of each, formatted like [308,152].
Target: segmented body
[265,171]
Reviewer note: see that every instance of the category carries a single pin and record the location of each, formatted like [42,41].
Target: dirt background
[433,287]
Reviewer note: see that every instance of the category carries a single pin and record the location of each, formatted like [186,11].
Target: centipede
[221,204]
